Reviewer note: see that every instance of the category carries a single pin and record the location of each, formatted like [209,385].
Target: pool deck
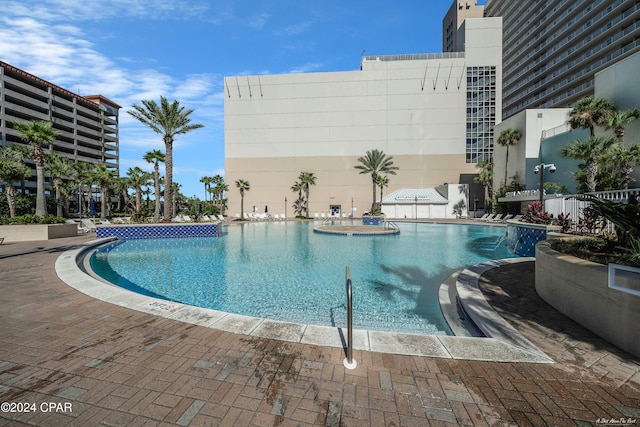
[118,366]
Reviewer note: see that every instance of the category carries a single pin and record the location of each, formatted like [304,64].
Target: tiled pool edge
[469,348]
[158,231]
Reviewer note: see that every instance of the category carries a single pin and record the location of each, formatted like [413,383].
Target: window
[481,103]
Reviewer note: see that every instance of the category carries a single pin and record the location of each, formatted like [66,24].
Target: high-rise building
[434,113]
[458,12]
[553,48]
[87,125]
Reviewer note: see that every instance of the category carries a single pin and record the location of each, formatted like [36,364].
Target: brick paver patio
[83,362]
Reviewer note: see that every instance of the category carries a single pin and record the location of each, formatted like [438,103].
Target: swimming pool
[285,271]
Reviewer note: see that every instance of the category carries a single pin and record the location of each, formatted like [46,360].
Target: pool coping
[499,348]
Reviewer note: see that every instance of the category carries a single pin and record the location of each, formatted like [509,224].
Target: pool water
[285,271]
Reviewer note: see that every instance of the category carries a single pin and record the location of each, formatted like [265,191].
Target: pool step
[453,311]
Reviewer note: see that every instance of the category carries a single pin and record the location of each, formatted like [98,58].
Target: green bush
[34,219]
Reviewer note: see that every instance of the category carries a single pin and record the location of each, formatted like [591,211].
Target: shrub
[34,219]
[535,215]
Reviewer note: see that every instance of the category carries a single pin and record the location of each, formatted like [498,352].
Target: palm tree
[155,157]
[590,112]
[83,176]
[375,162]
[12,169]
[218,188]
[617,119]
[298,204]
[103,177]
[169,120]
[623,159]
[382,181]
[591,151]
[485,177]
[58,168]
[39,135]
[243,186]
[206,180]
[306,180]
[138,179]
[507,138]
[121,187]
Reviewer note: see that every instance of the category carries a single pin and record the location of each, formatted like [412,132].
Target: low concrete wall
[31,232]
[579,289]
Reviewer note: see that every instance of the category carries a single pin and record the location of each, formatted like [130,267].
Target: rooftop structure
[451,23]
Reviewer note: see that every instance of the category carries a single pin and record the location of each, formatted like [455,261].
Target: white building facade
[434,113]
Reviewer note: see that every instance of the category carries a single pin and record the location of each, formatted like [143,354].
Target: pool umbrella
[92,207]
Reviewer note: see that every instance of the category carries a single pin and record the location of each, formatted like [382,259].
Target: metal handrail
[349,363]
[390,224]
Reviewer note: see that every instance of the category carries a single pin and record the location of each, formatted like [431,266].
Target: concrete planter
[31,232]
[372,220]
[579,289]
[522,237]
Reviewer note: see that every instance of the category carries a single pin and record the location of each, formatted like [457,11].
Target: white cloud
[294,30]
[258,21]
[305,68]
[194,87]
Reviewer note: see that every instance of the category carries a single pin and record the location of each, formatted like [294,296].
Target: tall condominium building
[87,125]
[458,12]
[434,113]
[553,48]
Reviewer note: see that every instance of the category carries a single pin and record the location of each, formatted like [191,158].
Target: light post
[475,206]
[352,208]
[540,169]
[285,207]
[416,201]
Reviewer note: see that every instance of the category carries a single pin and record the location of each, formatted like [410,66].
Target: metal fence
[571,205]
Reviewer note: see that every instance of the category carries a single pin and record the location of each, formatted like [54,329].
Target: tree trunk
[374,178]
[103,202]
[156,177]
[168,185]
[506,165]
[591,170]
[307,201]
[11,200]
[58,201]
[138,199]
[41,202]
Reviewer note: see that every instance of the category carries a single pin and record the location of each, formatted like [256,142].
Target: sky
[133,50]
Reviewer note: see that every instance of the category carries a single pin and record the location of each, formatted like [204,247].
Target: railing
[388,225]
[349,363]
[571,205]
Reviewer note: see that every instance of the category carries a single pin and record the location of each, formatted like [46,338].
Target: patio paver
[101,364]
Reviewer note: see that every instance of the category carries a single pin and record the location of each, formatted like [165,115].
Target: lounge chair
[1,240]
[222,218]
[496,218]
[506,217]
[489,218]
[89,224]
[483,217]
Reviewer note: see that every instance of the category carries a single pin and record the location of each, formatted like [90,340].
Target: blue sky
[129,50]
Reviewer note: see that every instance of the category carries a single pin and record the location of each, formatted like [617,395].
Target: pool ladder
[349,363]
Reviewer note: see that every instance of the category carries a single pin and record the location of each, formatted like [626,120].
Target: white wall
[414,110]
